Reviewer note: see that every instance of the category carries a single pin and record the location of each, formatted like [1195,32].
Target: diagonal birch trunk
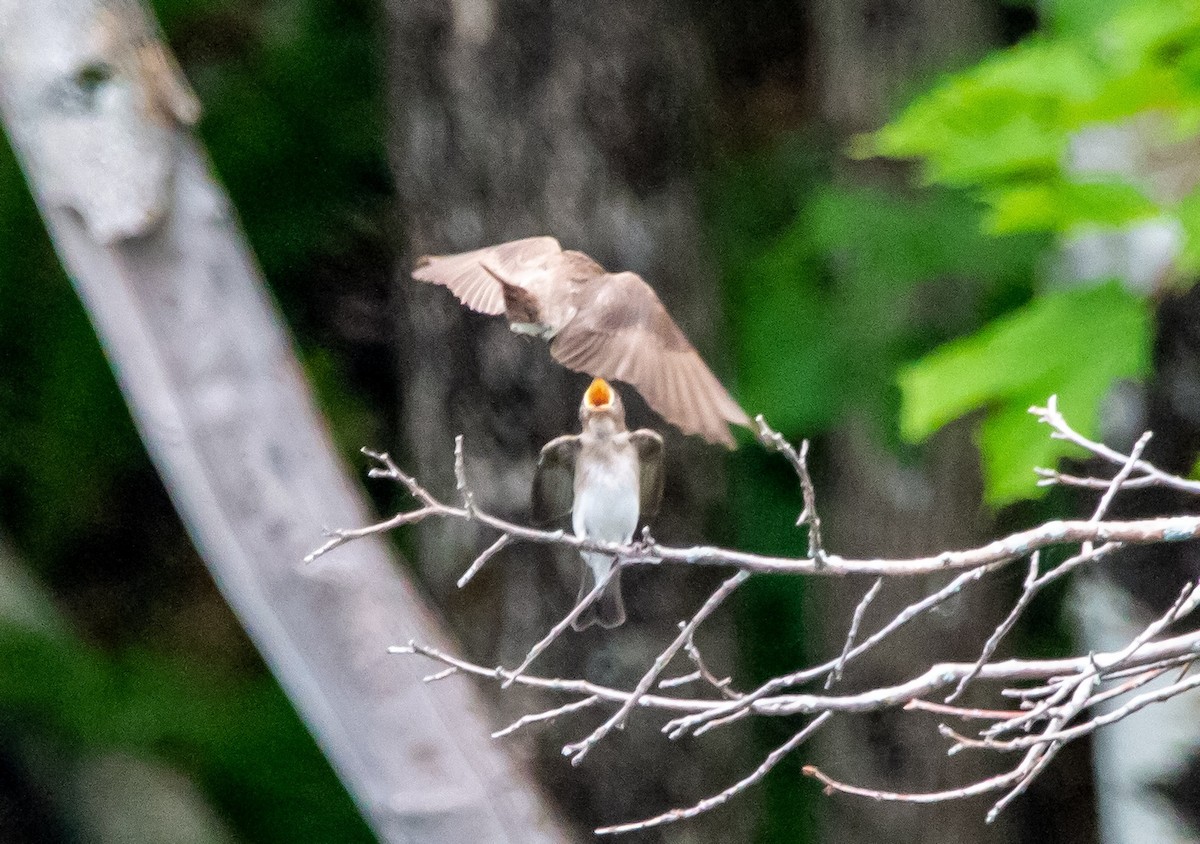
[98,114]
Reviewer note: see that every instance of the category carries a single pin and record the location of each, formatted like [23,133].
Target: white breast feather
[606,504]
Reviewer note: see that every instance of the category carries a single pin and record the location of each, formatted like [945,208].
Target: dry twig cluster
[1051,701]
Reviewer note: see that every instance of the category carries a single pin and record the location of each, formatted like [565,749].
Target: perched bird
[606,477]
[609,325]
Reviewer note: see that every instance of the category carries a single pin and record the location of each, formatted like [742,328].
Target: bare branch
[491,551]
[1124,711]
[578,750]
[966,713]
[559,628]
[702,672]
[989,648]
[1157,656]
[460,477]
[1115,486]
[1052,695]
[775,441]
[582,687]
[856,622]
[679,727]
[549,714]
[1017,545]
[1062,431]
[741,785]
[936,677]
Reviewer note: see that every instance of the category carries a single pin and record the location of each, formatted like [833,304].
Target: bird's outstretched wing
[649,445]
[554,480]
[622,331]
[472,276]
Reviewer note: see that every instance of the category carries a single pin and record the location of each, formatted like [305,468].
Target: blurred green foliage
[826,282]
[1002,131]
[235,736]
[826,277]
[825,285]
[294,121]
[830,271]
[1003,128]
[1019,360]
[294,124]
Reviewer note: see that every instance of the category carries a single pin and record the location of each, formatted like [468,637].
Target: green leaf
[1060,205]
[1002,128]
[1188,213]
[1072,343]
[1008,116]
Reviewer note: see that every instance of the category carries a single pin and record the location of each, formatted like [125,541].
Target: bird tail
[608,610]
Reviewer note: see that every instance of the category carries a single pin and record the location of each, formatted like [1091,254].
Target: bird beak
[599,395]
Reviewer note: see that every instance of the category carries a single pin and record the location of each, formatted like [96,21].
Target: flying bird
[606,477]
[608,325]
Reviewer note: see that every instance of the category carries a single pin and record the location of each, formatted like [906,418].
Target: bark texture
[579,120]
[861,52]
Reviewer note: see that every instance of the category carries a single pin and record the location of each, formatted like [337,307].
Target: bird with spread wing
[608,325]
[606,477]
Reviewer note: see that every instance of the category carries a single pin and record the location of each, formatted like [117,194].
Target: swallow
[608,325]
[606,477]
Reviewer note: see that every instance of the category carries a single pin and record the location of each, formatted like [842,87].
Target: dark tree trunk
[877,507]
[578,120]
[861,52]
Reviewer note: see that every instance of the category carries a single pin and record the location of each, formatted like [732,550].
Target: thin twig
[741,785]
[460,477]
[579,749]
[1052,477]
[1062,431]
[1111,717]
[965,712]
[1028,590]
[1039,761]
[491,551]
[681,726]
[581,687]
[775,441]
[573,706]
[1116,484]
[558,629]
[701,673]
[855,622]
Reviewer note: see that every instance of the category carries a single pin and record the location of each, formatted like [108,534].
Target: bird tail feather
[608,610]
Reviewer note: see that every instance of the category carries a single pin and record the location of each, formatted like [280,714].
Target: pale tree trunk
[1147,766]
[96,111]
[578,120]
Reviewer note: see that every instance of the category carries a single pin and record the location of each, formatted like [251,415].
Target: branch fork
[1056,699]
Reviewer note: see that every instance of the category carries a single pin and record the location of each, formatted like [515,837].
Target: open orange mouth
[599,394]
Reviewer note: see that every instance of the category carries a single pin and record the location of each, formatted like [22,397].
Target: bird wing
[649,445]
[472,275]
[554,479]
[622,331]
